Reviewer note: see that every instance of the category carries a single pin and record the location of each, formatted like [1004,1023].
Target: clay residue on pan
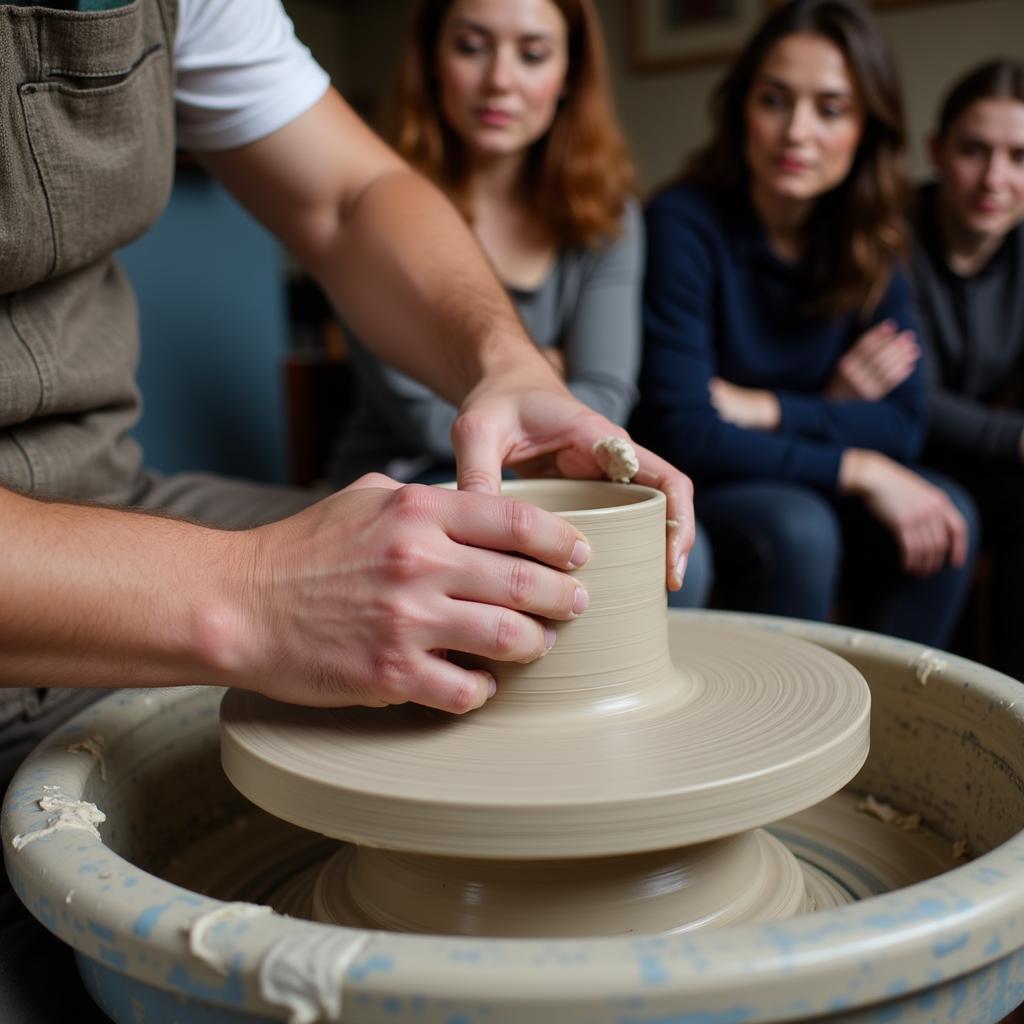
[92,745]
[887,813]
[63,813]
[200,928]
[927,664]
[961,851]
[304,973]
[617,459]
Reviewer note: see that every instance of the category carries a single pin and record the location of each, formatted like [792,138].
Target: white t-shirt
[241,72]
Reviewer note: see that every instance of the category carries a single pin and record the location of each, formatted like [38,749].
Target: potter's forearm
[414,284]
[100,597]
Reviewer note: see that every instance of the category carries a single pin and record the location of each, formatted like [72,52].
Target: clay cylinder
[615,656]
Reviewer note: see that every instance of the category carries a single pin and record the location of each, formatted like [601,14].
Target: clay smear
[305,973]
[93,746]
[199,931]
[887,813]
[927,664]
[63,813]
[617,459]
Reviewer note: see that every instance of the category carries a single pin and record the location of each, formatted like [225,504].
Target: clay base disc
[746,878]
[761,726]
[845,856]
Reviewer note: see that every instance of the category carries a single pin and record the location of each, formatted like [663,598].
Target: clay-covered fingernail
[680,568]
[492,685]
[580,600]
[549,638]
[580,554]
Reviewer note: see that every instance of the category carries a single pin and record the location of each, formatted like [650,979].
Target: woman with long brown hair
[771,265]
[505,105]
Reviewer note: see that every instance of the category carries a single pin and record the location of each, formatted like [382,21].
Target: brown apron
[86,166]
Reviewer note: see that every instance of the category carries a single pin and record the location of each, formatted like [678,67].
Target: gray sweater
[972,333]
[588,306]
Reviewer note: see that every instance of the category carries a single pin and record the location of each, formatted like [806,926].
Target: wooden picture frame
[672,34]
[688,33]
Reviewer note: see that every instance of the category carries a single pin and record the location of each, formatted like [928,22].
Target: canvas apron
[86,166]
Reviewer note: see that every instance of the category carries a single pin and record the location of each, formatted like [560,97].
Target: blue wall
[214,331]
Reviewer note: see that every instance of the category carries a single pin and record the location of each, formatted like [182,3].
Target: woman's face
[980,165]
[804,119]
[501,65]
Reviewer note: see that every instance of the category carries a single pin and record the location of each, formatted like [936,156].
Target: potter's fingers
[369,480]
[479,454]
[682,529]
[520,584]
[494,632]
[507,524]
[437,683]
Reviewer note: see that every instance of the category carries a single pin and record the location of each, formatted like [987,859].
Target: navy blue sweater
[718,302]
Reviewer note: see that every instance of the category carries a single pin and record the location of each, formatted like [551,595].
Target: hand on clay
[881,359]
[926,524]
[527,419]
[357,599]
[752,408]
[556,357]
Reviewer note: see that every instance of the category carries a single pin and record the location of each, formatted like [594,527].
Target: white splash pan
[947,741]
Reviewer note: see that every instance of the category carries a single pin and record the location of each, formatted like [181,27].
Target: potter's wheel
[616,785]
[925,942]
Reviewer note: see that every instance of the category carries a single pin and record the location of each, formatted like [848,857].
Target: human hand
[357,599]
[556,357]
[927,526]
[753,408]
[527,419]
[881,359]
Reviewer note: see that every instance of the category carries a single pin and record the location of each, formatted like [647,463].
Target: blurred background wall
[665,112]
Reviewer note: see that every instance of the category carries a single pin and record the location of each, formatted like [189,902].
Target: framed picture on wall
[683,33]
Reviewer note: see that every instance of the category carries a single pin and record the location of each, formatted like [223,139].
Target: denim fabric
[784,549]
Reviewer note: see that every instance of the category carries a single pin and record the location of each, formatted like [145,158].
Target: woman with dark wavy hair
[773,265]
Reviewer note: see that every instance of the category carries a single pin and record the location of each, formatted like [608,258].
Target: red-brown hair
[856,234]
[577,177]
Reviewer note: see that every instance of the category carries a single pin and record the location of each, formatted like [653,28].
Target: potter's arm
[98,597]
[410,279]
[386,247]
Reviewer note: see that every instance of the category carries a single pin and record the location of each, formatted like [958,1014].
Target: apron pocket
[103,143]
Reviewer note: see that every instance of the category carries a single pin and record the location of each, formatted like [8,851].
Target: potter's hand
[525,418]
[927,526]
[357,599]
[752,408]
[881,359]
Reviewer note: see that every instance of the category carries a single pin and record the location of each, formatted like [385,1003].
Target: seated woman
[968,266]
[778,250]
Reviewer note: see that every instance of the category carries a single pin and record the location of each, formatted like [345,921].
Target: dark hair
[996,79]
[578,176]
[855,234]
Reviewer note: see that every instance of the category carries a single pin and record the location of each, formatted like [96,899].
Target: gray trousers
[39,982]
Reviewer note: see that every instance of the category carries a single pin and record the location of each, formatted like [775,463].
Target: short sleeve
[241,73]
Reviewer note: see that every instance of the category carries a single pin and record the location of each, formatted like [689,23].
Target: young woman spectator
[968,267]
[772,266]
[505,105]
